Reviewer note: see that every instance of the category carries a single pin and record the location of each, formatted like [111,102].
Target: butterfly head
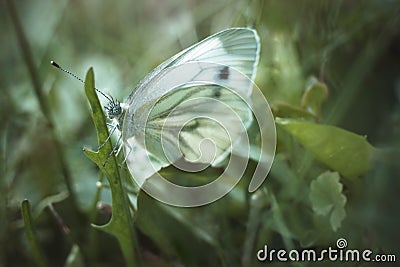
[114,109]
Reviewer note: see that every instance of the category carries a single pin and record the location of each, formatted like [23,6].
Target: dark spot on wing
[224,73]
[217,92]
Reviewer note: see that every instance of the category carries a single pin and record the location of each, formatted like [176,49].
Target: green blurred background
[351,46]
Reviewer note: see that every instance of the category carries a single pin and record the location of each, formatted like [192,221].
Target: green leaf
[121,223]
[327,198]
[314,97]
[345,152]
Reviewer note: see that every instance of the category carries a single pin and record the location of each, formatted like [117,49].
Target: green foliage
[335,172]
[343,151]
[327,198]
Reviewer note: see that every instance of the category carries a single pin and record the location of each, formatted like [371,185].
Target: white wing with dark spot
[179,105]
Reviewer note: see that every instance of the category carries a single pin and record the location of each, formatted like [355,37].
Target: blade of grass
[37,253]
[37,86]
[121,223]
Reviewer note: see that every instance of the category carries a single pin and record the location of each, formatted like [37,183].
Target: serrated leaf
[327,198]
[343,151]
[121,223]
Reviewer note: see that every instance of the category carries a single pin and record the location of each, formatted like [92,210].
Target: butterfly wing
[154,128]
[237,48]
[197,122]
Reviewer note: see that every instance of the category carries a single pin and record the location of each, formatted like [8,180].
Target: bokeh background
[351,46]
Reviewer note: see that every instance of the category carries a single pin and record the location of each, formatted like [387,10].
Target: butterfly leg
[112,130]
[116,148]
[128,153]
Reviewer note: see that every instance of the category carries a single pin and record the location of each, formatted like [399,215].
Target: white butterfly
[183,101]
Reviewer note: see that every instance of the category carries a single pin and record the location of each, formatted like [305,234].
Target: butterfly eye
[113,109]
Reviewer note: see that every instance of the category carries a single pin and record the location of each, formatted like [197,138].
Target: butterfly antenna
[78,78]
